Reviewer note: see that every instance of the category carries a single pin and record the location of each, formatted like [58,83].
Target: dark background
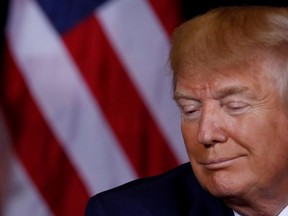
[191,8]
[3,15]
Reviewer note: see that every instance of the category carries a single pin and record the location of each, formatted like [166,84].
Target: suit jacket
[176,192]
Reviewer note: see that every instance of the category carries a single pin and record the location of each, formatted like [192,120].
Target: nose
[211,129]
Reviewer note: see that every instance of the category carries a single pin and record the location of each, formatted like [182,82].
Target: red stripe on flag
[168,12]
[37,148]
[132,123]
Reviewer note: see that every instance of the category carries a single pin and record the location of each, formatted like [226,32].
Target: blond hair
[230,35]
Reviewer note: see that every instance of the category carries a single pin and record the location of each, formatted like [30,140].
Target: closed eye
[190,108]
[190,111]
[236,107]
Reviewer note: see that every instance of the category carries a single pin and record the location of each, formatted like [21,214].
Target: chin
[224,185]
[222,191]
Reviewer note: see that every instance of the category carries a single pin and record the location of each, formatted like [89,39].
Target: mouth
[220,163]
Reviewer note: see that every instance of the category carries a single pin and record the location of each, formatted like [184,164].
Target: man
[230,75]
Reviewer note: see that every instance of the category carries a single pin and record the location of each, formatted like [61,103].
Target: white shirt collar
[235,213]
[284,212]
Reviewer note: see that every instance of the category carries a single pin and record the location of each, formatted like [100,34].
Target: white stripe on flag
[142,45]
[18,195]
[65,101]
[21,196]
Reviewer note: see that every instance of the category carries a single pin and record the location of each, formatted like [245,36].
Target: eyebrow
[231,90]
[221,93]
[178,96]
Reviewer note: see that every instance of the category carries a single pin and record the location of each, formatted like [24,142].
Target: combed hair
[232,35]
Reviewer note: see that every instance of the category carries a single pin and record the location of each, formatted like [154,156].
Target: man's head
[230,71]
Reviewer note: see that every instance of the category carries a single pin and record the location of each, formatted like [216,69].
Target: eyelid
[236,107]
[236,104]
[190,109]
[187,102]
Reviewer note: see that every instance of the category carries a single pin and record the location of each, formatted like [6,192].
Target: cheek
[189,133]
[256,133]
[263,139]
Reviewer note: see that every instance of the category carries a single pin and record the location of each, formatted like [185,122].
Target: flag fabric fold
[85,101]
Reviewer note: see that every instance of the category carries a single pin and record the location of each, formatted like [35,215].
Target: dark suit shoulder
[163,180]
[176,192]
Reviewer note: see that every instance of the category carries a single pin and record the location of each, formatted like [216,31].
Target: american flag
[85,101]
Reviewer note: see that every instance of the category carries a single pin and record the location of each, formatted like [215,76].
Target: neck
[256,207]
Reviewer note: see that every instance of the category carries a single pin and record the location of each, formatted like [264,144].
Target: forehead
[222,81]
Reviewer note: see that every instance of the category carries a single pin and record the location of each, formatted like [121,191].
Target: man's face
[235,130]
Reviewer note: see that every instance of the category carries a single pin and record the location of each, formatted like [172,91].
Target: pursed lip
[219,163]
